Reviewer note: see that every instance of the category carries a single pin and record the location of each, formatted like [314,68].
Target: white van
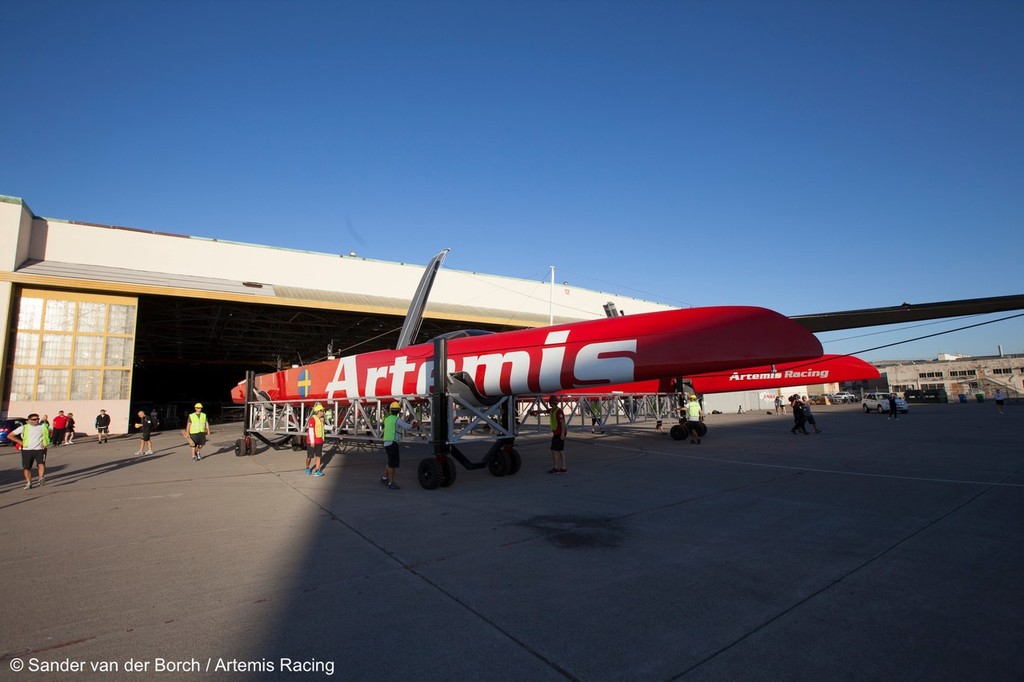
[879,402]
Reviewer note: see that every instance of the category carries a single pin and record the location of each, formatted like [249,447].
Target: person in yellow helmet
[198,429]
[315,441]
[694,416]
[392,436]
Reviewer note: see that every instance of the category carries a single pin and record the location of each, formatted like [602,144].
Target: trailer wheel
[678,432]
[499,463]
[702,429]
[515,462]
[250,446]
[239,447]
[448,472]
[430,474]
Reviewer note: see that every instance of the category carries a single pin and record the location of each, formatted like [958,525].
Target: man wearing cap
[393,427]
[315,441]
[198,430]
[694,416]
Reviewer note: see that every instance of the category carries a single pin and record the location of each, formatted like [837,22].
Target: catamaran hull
[581,355]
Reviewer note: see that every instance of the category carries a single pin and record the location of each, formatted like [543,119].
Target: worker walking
[694,417]
[32,439]
[198,430]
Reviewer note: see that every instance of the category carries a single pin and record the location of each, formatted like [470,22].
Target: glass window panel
[59,316]
[56,349]
[52,384]
[85,384]
[92,317]
[122,319]
[119,352]
[115,384]
[26,348]
[88,351]
[30,313]
[23,381]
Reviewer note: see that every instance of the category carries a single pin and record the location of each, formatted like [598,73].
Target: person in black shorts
[197,429]
[145,427]
[32,438]
[102,426]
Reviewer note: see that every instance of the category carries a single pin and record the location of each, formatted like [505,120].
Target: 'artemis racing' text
[285,665]
[788,374]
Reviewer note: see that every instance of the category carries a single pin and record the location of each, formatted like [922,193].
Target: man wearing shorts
[33,438]
[102,426]
[393,428]
[198,430]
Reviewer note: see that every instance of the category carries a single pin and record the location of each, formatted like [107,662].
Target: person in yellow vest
[694,416]
[558,433]
[32,439]
[198,430]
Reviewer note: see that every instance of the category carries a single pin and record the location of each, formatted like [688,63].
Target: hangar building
[96,316]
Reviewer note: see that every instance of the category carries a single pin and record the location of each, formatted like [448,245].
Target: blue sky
[803,156]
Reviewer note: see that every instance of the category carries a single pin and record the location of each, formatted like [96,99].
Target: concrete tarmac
[875,550]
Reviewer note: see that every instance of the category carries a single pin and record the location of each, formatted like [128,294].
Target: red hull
[581,355]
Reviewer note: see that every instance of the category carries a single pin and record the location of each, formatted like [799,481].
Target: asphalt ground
[875,550]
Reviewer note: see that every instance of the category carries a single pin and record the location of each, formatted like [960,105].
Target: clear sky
[806,156]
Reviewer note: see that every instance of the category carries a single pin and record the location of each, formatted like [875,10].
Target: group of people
[62,428]
[393,428]
[37,435]
[802,415]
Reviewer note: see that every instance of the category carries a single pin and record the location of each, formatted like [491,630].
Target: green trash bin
[980,397]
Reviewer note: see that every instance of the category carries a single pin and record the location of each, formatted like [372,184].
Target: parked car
[879,402]
[843,398]
[8,425]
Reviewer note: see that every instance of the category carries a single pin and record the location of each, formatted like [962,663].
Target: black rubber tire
[239,447]
[250,446]
[499,463]
[679,432]
[449,472]
[515,462]
[866,410]
[702,430]
[880,410]
[429,473]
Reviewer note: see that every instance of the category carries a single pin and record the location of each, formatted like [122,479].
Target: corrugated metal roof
[102,273]
[285,295]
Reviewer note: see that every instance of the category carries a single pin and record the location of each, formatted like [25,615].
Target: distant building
[957,375]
